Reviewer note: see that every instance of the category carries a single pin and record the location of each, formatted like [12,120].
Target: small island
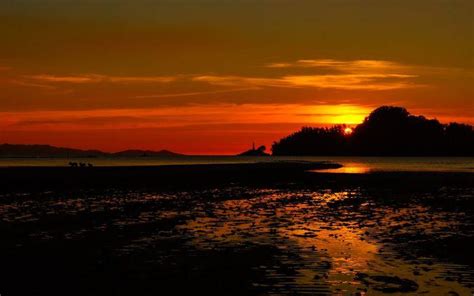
[260,151]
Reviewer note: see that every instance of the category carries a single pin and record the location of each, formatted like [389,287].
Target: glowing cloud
[95,78]
[197,93]
[335,74]
[343,81]
[345,66]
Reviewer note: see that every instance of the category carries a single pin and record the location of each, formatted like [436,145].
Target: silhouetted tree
[393,131]
[311,141]
[386,131]
[459,139]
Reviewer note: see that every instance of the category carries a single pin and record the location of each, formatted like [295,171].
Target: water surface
[238,240]
[350,164]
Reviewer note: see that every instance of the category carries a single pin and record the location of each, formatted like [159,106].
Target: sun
[348,131]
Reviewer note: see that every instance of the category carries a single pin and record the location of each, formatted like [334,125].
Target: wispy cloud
[241,81]
[330,74]
[96,78]
[341,81]
[374,75]
[197,93]
[353,66]
[30,84]
[353,81]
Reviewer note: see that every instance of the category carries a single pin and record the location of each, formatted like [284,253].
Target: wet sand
[160,177]
[234,230]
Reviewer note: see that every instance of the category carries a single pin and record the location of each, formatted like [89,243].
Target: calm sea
[351,164]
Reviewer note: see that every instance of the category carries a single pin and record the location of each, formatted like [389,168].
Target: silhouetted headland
[387,131]
[260,151]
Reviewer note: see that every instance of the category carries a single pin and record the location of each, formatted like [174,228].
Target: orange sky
[207,77]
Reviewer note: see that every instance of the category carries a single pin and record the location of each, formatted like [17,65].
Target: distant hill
[145,153]
[387,131]
[13,150]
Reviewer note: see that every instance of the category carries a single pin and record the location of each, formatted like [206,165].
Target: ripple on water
[326,246]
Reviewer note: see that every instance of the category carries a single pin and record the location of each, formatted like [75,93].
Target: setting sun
[348,131]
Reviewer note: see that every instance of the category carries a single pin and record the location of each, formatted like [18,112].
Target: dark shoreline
[180,177]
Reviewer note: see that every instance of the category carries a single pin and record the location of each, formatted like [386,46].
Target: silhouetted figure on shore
[387,131]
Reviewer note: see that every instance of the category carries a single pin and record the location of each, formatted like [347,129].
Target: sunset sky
[211,77]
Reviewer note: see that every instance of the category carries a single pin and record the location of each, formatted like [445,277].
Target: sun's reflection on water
[330,253]
[319,249]
[349,168]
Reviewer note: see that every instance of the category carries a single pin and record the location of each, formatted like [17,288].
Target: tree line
[387,131]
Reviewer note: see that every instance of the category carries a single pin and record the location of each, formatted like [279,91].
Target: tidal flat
[237,232]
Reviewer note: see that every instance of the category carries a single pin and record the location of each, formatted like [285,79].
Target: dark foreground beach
[241,229]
